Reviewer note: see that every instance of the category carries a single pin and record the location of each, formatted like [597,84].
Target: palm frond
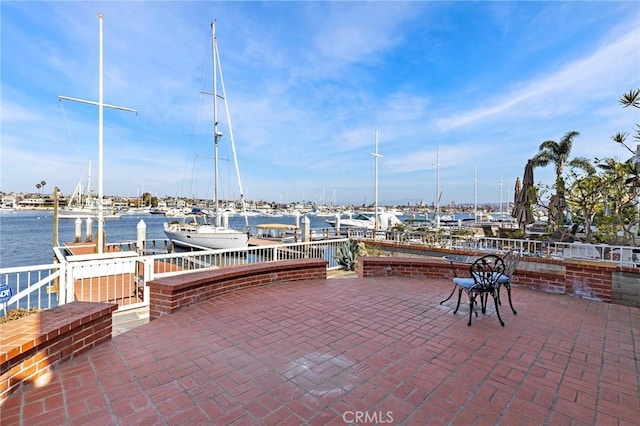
[632,98]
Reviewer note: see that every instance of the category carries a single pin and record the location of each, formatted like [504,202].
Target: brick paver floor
[353,350]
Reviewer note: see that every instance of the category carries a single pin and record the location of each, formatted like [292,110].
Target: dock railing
[120,275]
[620,255]
[121,278]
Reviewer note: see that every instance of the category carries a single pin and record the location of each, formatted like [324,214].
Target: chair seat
[504,279]
[464,282]
[470,282]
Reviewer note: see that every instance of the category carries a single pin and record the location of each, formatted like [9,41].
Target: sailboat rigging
[82,204]
[101,106]
[194,229]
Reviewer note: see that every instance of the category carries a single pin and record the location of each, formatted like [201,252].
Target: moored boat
[194,230]
[383,221]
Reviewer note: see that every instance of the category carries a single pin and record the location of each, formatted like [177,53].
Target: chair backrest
[511,260]
[486,272]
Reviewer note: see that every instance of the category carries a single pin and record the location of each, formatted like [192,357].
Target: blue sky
[478,85]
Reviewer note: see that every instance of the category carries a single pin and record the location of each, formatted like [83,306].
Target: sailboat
[194,229]
[379,219]
[82,205]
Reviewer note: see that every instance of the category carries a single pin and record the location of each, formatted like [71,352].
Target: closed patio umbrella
[517,190]
[524,197]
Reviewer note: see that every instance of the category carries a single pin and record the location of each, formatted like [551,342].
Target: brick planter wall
[588,279]
[423,267]
[167,295]
[33,345]
[584,279]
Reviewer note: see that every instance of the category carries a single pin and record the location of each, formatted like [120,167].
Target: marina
[164,298]
[26,235]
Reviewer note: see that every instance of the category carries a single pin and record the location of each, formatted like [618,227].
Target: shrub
[347,255]
[18,313]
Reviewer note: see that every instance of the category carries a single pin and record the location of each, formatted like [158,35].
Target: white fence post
[68,283]
[306,229]
[141,235]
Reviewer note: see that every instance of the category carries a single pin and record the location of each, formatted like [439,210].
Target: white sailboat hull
[85,213]
[208,236]
[361,221]
[353,223]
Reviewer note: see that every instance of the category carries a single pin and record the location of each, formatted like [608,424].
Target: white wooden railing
[621,255]
[121,277]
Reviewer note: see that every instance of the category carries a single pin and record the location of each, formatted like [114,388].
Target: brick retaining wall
[585,279]
[32,346]
[169,294]
[589,279]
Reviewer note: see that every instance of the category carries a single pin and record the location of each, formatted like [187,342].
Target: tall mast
[216,133]
[100,145]
[500,194]
[375,204]
[101,105]
[437,185]
[231,137]
[88,200]
[475,194]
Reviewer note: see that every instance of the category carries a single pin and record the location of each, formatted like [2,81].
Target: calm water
[26,237]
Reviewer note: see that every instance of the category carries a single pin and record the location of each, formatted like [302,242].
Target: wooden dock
[122,289]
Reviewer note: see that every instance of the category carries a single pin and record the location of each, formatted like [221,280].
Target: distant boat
[194,230]
[278,232]
[87,212]
[82,205]
[385,221]
[9,205]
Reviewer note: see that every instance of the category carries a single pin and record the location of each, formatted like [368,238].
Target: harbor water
[26,237]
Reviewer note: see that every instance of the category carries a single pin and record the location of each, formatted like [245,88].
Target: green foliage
[399,227]
[516,234]
[463,232]
[347,255]
[630,99]
[17,313]
[556,153]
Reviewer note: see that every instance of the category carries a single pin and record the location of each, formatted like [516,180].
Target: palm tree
[42,184]
[631,99]
[38,186]
[558,154]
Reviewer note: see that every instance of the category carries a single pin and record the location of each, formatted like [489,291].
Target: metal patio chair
[485,273]
[511,261]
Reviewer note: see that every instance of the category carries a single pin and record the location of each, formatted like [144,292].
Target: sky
[460,94]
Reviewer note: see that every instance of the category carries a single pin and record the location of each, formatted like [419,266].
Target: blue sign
[5,293]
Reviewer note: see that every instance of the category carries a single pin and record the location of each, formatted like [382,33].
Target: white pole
[216,134]
[501,194]
[101,105]
[376,156]
[100,150]
[475,194]
[437,187]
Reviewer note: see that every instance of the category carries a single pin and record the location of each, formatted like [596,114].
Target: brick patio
[324,351]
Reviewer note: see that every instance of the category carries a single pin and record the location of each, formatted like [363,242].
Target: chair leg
[495,302]
[483,303]
[508,286]
[471,300]
[459,297]
[449,297]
